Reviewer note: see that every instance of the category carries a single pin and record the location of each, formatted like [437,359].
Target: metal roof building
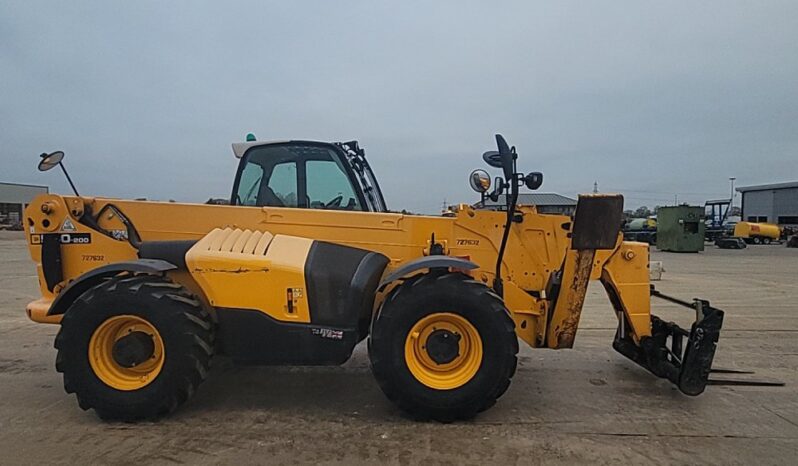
[771,203]
[547,203]
[14,197]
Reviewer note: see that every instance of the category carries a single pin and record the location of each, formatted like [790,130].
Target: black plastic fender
[427,262]
[93,277]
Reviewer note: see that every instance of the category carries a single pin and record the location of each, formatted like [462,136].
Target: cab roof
[240,148]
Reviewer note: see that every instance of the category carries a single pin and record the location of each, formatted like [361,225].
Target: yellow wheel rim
[134,372]
[443,351]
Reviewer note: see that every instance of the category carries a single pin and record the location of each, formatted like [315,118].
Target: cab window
[328,187]
[249,184]
[295,175]
[281,190]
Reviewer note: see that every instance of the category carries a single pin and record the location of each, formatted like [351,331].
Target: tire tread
[188,317]
[387,318]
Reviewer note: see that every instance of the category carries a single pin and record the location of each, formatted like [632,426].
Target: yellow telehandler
[307,261]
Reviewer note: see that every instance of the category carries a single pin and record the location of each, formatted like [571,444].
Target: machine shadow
[328,392]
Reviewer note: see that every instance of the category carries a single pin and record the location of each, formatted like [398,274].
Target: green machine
[680,228]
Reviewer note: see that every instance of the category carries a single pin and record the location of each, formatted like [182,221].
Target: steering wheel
[336,202]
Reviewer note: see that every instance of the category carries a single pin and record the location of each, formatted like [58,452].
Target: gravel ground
[587,405]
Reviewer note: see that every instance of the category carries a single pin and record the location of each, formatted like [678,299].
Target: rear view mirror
[50,160]
[479,181]
[498,190]
[506,156]
[492,158]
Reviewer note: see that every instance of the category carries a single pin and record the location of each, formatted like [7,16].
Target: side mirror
[498,190]
[479,181]
[492,158]
[533,180]
[506,156]
[50,160]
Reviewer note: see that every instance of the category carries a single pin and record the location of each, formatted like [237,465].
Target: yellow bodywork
[538,247]
[232,267]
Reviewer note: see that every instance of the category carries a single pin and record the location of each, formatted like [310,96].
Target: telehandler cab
[307,261]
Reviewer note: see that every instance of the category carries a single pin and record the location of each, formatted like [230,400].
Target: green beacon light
[251,137]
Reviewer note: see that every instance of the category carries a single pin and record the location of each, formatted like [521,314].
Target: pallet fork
[681,356]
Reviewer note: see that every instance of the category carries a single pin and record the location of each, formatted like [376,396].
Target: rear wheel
[757,240]
[134,347]
[443,347]
[766,240]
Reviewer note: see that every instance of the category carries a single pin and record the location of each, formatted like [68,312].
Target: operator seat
[266,197]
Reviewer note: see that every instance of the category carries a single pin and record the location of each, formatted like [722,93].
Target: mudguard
[427,262]
[89,279]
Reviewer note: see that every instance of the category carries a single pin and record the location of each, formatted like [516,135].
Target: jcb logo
[64,238]
[75,238]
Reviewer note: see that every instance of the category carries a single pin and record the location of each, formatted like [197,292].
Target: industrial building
[546,203]
[14,197]
[771,203]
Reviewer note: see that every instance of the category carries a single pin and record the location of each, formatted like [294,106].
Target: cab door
[299,175]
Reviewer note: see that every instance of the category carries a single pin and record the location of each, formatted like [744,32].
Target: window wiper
[251,190]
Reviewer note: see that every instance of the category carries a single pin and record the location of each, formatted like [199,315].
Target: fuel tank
[750,230]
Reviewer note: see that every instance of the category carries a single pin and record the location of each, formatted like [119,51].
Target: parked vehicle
[757,233]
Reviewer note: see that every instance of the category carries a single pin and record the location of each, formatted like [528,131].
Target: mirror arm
[68,178]
[512,200]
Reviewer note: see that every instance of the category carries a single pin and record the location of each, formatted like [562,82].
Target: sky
[660,101]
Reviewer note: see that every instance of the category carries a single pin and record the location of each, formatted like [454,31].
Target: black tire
[431,293]
[766,240]
[184,326]
[757,240]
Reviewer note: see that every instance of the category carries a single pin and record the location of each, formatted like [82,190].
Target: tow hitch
[687,365]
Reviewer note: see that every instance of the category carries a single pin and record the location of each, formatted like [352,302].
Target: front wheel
[443,347]
[134,347]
